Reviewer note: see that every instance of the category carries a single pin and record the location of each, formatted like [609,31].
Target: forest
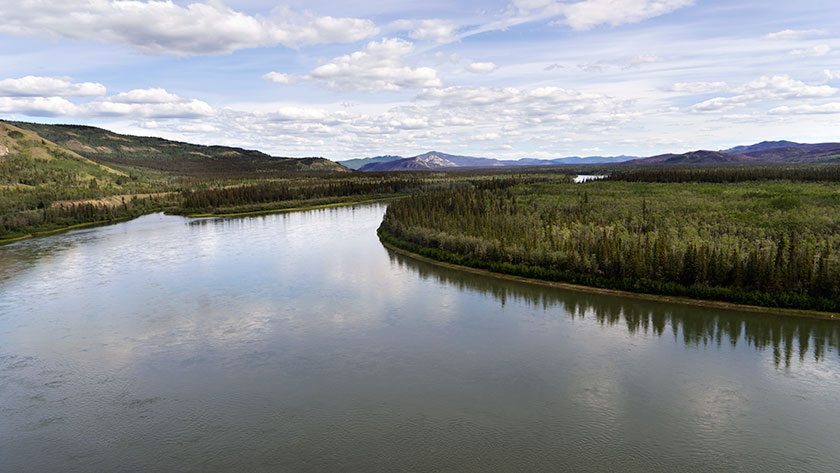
[764,241]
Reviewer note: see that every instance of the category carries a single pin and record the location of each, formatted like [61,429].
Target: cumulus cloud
[378,67]
[831,75]
[278,77]
[481,67]
[35,86]
[154,95]
[439,31]
[779,87]
[795,34]
[38,106]
[814,51]
[180,109]
[161,27]
[138,103]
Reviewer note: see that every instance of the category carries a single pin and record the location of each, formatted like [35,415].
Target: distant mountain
[438,160]
[594,159]
[423,162]
[799,154]
[695,157]
[171,157]
[763,146]
[359,162]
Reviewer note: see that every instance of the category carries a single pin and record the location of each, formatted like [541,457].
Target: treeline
[826,173]
[313,188]
[46,218]
[695,243]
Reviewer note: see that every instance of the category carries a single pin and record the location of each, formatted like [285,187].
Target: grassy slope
[172,157]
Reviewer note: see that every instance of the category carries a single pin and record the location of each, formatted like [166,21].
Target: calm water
[296,342]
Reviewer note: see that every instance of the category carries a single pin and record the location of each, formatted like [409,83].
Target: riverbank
[72,227]
[206,215]
[295,209]
[393,243]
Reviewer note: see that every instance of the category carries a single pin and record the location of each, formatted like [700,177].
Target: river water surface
[296,342]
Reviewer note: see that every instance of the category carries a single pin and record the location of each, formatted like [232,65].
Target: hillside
[799,154]
[694,158]
[171,157]
[27,160]
[763,146]
[359,162]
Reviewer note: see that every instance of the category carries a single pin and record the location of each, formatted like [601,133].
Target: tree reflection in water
[786,336]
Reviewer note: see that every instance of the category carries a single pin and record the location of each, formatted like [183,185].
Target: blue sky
[527,78]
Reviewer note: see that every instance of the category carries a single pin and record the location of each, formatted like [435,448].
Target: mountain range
[766,152]
[438,160]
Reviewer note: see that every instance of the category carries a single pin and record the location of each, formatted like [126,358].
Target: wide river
[296,342]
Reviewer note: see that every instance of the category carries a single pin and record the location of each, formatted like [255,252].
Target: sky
[505,79]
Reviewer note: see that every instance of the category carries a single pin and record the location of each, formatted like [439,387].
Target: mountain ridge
[118,151]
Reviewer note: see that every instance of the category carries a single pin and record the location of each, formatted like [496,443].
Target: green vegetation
[759,235]
[172,157]
[773,243]
[45,186]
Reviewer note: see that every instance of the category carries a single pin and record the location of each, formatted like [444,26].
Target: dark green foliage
[826,173]
[770,244]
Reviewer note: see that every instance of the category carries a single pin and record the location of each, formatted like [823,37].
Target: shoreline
[235,214]
[615,292]
[70,227]
[294,209]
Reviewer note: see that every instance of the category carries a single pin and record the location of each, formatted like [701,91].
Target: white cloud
[795,34]
[180,109]
[38,106]
[814,51]
[277,77]
[439,31]
[831,75]
[826,108]
[588,14]
[765,88]
[697,87]
[481,67]
[529,106]
[154,95]
[378,67]
[553,66]
[161,27]
[35,86]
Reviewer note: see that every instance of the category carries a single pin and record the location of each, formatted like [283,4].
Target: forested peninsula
[745,236]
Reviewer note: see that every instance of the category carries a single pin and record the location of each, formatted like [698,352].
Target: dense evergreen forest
[762,242]
[824,173]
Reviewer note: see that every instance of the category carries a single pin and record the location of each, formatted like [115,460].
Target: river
[297,342]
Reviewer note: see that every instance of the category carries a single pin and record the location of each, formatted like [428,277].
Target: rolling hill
[27,160]
[170,157]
